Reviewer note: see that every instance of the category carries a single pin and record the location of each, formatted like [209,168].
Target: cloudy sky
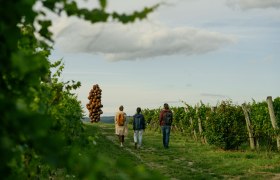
[187,50]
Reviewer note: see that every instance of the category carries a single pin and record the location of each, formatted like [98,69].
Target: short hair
[121,108]
[138,110]
[166,106]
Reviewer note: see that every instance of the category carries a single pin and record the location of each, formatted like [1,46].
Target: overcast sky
[187,50]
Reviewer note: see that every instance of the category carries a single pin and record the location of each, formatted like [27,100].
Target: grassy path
[191,160]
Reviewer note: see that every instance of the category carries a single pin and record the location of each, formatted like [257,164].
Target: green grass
[100,157]
[186,159]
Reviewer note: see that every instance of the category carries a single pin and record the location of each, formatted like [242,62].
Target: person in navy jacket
[139,126]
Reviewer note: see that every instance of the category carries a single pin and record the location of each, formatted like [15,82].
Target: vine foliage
[40,116]
[224,125]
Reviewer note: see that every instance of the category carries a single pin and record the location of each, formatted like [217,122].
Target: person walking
[139,126]
[165,121]
[121,125]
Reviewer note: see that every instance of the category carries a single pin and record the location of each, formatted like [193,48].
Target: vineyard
[227,126]
[42,135]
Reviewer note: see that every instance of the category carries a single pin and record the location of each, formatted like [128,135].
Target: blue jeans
[138,136]
[165,135]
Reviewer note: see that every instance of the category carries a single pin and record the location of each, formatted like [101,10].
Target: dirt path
[129,147]
[107,132]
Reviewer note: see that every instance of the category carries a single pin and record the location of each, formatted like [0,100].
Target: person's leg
[135,138]
[163,135]
[167,136]
[140,137]
[122,140]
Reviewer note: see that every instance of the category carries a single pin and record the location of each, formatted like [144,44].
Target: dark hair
[166,106]
[138,110]
[121,108]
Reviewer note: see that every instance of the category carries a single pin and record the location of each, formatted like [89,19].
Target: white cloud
[254,4]
[134,41]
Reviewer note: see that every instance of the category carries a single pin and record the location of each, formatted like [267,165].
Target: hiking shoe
[135,145]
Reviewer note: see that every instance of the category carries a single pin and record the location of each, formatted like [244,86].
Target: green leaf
[103,4]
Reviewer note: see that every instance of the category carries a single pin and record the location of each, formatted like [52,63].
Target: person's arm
[125,118]
[144,122]
[133,123]
[116,116]
[160,117]
[171,117]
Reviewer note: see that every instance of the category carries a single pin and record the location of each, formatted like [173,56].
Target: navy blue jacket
[139,122]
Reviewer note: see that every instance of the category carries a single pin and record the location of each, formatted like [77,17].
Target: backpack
[167,118]
[121,119]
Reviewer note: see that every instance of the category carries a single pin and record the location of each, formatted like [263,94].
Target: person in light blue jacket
[139,126]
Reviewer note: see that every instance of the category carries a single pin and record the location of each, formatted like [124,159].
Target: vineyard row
[227,125]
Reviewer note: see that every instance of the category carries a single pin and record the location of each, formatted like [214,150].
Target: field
[185,159]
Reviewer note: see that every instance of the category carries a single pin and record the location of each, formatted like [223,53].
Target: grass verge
[186,159]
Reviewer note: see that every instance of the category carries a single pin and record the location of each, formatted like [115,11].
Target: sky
[185,51]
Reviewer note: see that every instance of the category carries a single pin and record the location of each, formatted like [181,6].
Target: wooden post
[193,130]
[200,128]
[257,143]
[249,127]
[273,119]
[191,122]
